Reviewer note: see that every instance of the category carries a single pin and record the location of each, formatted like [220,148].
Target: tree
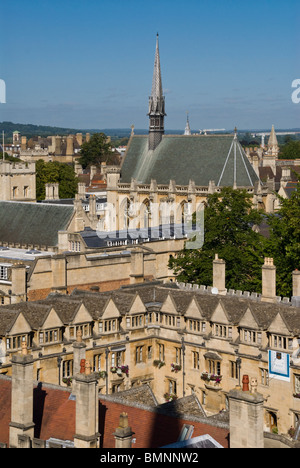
[96,151]
[291,150]
[55,172]
[229,220]
[284,240]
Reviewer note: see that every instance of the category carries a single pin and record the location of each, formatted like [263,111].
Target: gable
[169,306]
[110,311]
[82,315]
[193,311]
[52,320]
[248,320]
[137,306]
[278,326]
[219,315]
[20,326]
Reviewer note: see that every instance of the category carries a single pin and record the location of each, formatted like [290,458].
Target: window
[234,373]
[172,387]
[67,368]
[117,358]
[282,342]
[178,355]
[3,272]
[49,336]
[149,355]
[251,337]
[264,377]
[297,384]
[74,246]
[139,354]
[214,367]
[97,363]
[25,191]
[196,361]
[222,331]
[161,352]
[15,342]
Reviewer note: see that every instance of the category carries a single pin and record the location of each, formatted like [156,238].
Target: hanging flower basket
[296,395]
[175,367]
[103,374]
[158,363]
[67,381]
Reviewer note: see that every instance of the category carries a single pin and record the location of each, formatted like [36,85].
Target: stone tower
[156,105]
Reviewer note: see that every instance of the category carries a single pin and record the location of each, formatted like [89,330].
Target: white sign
[279,365]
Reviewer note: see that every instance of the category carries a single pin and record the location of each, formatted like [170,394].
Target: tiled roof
[33,223]
[184,158]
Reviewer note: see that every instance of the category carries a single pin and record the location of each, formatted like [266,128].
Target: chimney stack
[296,289]
[87,409]
[123,434]
[219,267]
[21,427]
[246,417]
[268,281]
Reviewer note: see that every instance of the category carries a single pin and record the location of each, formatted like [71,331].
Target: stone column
[87,408]
[18,280]
[21,427]
[246,417]
[123,434]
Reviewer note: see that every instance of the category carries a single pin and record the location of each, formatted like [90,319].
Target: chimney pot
[245,383]
[82,366]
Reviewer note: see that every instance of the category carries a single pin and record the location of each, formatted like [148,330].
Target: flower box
[170,396]
[120,370]
[158,363]
[211,377]
[175,368]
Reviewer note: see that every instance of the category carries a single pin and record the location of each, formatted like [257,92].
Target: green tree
[284,241]
[55,172]
[291,150]
[229,220]
[96,151]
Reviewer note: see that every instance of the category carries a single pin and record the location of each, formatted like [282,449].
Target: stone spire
[273,147]
[187,130]
[156,104]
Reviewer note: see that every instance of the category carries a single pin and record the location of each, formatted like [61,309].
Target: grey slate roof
[33,223]
[182,158]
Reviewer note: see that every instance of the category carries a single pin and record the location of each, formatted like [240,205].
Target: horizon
[90,66]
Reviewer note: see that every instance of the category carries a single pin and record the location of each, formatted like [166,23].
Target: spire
[187,130]
[156,104]
[273,147]
[156,92]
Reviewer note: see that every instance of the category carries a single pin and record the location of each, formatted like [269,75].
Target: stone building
[179,340]
[171,175]
[17,181]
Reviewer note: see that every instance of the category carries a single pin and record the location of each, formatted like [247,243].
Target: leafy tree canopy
[229,220]
[284,241]
[55,172]
[96,151]
[291,150]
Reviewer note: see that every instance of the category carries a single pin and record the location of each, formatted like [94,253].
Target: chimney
[52,191]
[246,417]
[79,138]
[296,289]
[58,146]
[87,409]
[123,434]
[18,280]
[219,267]
[81,190]
[70,146]
[21,427]
[268,281]
[79,351]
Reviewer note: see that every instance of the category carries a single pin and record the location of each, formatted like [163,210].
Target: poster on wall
[279,365]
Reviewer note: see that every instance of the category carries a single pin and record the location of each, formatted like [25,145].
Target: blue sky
[89,64]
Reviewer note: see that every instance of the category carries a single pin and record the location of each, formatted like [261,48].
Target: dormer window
[251,336]
[222,331]
[108,326]
[281,342]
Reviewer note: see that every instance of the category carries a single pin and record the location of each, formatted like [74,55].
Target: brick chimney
[268,281]
[219,267]
[246,417]
[21,427]
[87,409]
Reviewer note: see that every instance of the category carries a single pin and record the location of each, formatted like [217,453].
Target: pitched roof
[205,158]
[33,223]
